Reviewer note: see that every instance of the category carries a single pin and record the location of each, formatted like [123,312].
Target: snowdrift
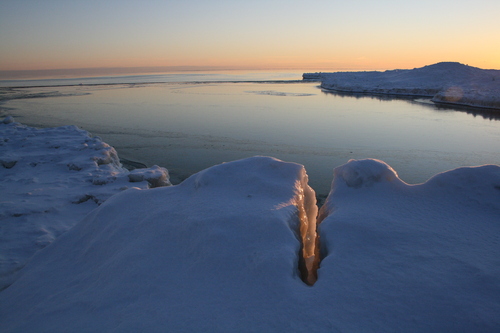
[444,82]
[221,252]
[421,258]
[218,252]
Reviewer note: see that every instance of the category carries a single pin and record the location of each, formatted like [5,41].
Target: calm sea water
[193,121]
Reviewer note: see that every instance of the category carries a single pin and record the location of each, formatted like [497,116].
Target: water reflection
[380,97]
[189,126]
[485,113]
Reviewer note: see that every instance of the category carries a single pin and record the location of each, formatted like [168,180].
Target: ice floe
[278,93]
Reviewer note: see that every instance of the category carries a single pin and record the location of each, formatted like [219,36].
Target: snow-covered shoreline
[222,251]
[445,83]
[50,179]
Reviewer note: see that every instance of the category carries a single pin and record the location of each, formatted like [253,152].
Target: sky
[258,34]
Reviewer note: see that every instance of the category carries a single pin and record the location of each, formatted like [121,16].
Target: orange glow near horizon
[323,36]
[346,62]
[318,59]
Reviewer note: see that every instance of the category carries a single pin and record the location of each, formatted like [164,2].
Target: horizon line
[13,74]
[27,74]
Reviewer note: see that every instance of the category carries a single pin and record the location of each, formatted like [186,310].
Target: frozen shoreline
[446,83]
[50,179]
[221,251]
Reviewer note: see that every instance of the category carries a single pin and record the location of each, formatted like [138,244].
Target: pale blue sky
[270,33]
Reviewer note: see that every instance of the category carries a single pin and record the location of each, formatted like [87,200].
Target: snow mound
[50,179]
[8,120]
[156,176]
[445,82]
[216,252]
[364,173]
[220,252]
[413,257]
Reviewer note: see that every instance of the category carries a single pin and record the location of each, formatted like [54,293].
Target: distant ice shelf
[445,83]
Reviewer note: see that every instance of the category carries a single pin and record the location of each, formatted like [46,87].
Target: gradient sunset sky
[267,34]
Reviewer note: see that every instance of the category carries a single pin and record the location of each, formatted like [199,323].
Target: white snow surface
[220,251]
[50,179]
[444,82]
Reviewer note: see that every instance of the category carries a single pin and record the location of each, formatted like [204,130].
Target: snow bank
[220,252]
[445,82]
[421,258]
[49,180]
